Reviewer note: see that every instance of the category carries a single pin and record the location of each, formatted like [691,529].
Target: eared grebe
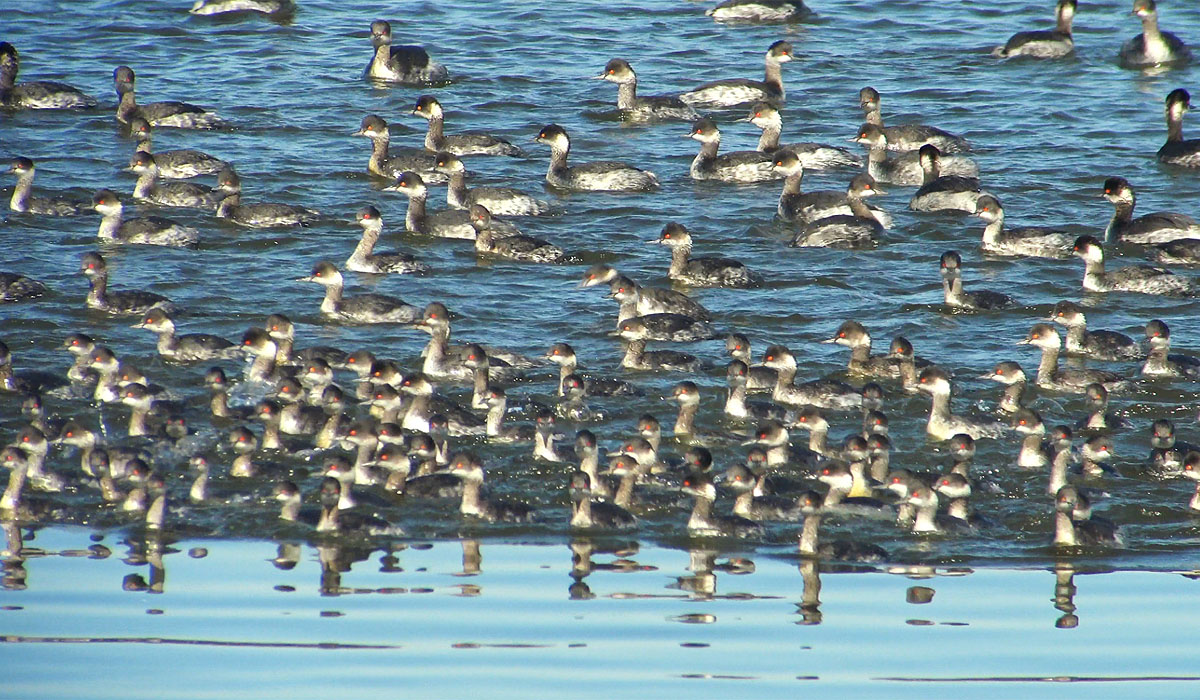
[283,332]
[699,272]
[1038,242]
[639,358]
[1191,470]
[797,205]
[703,522]
[363,308]
[901,352]
[177,114]
[1134,278]
[443,361]
[1099,417]
[185,348]
[510,247]
[1159,227]
[849,489]
[952,288]
[218,385]
[816,156]
[468,143]
[335,519]
[1185,251]
[1167,452]
[39,94]
[909,137]
[1049,376]
[812,420]
[736,405]
[93,267]
[675,328]
[942,424]
[812,504]
[220,7]
[24,202]
[1035,451]
[943,192]
[1043,43]
[742,482]
[1070,531]
[290,509]
[425,406]
[258,214]
[853,335]
[738,91]
[448,223]
[563,355]
[773,447]
[147,230]
[636,300]
[1176,150]
[739,166]
[496,402]
[387,165]
[760,11]
[927,519]
[177,164]
[905,168]
[825,393]
[1100,345]
[501,201]
[27,382]
[1153,47]
[17,287]
[365,259]
[1161,362]
[636,108]
[602,176]
[150,188]
[587,513]
[410,65]
[759,378]
[469,468]
[859,229]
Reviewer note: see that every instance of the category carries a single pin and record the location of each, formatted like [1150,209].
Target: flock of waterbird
[399,425]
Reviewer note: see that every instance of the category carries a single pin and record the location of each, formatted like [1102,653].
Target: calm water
[1046,136]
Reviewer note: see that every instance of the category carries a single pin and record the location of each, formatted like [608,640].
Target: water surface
[1046,135]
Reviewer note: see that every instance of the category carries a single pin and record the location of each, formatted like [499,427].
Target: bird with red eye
[364,308]
[635,108]
[854,335]
[365,259]
[1161,362]
[587,513]
[814,156]
[1100,345]
[823,393]
[1036,452]
[601,176]
[93,266]
[704,522]
[742,482]
[699,271]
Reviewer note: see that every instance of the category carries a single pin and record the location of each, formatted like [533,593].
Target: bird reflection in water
[702,584]
[809,606]
[1064,595]
[582,550]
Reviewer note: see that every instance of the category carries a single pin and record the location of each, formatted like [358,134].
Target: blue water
[229,624]
[1046,135]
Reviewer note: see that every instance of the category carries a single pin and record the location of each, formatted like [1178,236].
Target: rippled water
[1046,135]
